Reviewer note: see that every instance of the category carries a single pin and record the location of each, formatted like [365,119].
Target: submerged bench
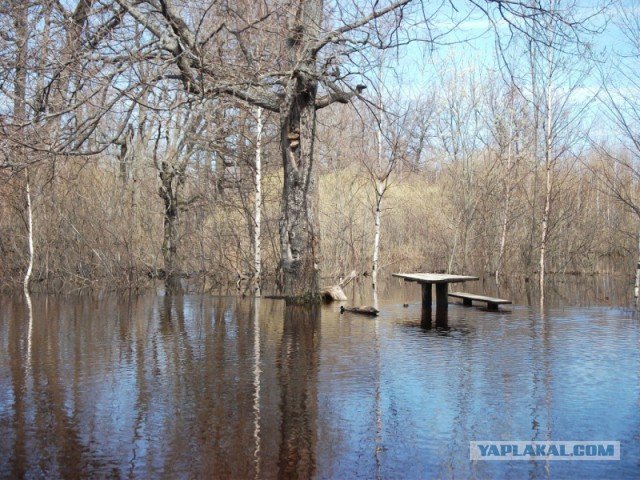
[469,298]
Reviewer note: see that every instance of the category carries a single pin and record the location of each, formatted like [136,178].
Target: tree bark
[20,22]
[257,219]
[377,221]
[548,160]
[545,232]
[299,227]
[379,187]
[27,275]
[170,239]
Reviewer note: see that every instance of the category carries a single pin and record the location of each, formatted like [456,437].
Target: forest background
[484,143]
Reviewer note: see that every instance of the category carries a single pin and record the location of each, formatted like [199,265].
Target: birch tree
[509,141]
[257,213]
[389,127]
[557,64]
[390,151]
[20,24]
[619,96]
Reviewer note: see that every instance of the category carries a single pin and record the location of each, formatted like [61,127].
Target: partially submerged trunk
[364,310]
[549,164]
[257,214]
[376,241]
[299,227]
[20,23]
[169,194]
[544,240]
[27,275]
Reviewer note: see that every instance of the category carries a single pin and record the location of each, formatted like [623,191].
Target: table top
[434,277]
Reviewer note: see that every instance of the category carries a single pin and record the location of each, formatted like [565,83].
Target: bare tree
[459,127]
[176,143]
[386,122]
[554,49]
[20,24]
[304,81]
[509,141]
[257,212]
[619,96]
[62,88]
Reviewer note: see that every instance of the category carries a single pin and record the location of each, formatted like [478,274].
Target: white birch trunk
[379,194]
[27,296]
[257,371]
[455,245]
[257,253]
[545,234]
[507,200]
[503,235]
[548,157]
[376,234]
[27,276]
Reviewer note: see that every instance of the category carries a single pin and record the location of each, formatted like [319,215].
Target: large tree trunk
[299,227]
[170,239]
[299,231]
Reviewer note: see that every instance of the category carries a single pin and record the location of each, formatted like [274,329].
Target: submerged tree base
[308,298]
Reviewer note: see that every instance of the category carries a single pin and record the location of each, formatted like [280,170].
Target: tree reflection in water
[298,371]
[191,386]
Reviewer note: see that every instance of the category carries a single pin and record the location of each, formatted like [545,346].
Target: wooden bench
[469,298]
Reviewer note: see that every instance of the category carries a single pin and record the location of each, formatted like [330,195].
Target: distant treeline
[94,228]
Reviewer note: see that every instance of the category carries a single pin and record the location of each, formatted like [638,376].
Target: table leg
[426,305]
[426,296]
[442,320]
[425,319]
[442,292]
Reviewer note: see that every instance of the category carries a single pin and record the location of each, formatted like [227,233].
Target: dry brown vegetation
[91,230]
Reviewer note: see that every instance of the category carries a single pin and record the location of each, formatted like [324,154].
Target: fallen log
[364,310]
[335,292]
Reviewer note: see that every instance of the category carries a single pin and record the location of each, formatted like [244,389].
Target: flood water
[197,386]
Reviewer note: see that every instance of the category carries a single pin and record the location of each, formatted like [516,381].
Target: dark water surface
[222,387]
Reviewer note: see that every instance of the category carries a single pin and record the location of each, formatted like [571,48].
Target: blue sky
[471,45]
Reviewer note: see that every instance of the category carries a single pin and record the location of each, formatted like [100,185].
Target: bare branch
[336,95]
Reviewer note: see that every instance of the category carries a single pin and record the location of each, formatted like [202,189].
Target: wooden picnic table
[441,281]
